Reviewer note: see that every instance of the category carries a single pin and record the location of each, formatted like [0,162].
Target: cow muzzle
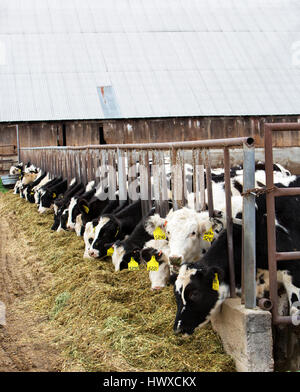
[175,260]
[93,253]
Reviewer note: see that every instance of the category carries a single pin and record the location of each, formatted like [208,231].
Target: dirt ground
[24,340]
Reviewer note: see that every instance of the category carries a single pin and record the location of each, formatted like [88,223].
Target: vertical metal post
[229,224]
[18,143]
[210,199]
[249,234]
[271,229]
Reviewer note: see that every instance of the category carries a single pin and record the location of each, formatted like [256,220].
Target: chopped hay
[106,320]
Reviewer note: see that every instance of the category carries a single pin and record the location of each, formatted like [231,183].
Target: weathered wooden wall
[146,131]
[181,129]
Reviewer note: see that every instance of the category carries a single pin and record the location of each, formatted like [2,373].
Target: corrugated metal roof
[161,57]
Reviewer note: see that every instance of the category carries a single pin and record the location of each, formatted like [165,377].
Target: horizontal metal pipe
[287,255]
[286,191]
[281,319]
[283,126]
[217,143]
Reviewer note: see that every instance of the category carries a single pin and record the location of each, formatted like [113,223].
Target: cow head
[184,229]
[79,227]
[159,249]
[89,236]
[196,296]
[28,178]
[16,169]
[122,256]
[108,231]
[63,220]
[73,212]
[46,200]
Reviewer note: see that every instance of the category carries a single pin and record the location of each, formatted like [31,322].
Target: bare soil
[25,344]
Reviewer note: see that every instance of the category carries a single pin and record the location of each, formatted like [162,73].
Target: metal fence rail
[273,255]
[132,161]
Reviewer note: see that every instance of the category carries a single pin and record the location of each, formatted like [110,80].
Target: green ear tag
[159,234]
[86,209]
[110,251]
[216,285]
[208,235]
[153,264]
[133,265]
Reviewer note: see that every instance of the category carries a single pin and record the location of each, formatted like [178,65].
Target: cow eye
[194,295]
[193,233]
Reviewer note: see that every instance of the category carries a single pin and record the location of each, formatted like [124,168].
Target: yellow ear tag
[133,265]
[215,285]
[208,235]
[94,229]
[110,251]
[153,264]
[159,234]
[117,233]
[54,195]
[86,209]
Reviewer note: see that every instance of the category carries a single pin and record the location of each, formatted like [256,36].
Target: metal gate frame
[82,161]
[272,192]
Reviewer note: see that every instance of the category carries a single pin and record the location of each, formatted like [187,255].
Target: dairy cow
[74,210]
[130,247]
[160,250]
[51,193]
[61,205]
[90,210]
[112,227]
[44,184]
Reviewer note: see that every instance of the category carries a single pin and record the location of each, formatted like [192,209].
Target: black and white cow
[91,210]
[17,169]
[29,190]
[89,236]
[113,227]
[74,209]
[201,287]
[61,205]
[160,250]
[51,193]
[44,184]
[89,227]
[132,245]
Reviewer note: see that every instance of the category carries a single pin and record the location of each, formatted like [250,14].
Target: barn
[210,75]
[96,72]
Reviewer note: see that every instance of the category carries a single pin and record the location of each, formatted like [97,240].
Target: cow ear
[83,206]
[217,222]
[214,274]
[153,222]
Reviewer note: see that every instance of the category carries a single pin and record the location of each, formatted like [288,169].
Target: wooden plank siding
[146,131]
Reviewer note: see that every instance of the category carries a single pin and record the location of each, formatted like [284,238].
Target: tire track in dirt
[24,341]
